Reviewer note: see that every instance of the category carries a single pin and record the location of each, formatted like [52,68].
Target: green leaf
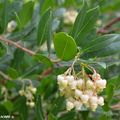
[109,92]
[79,20]
[106,106]
[88,70]
[43,59]
[58,105]
[20,106]
[12,73]
[18,59]
[65,46]
[103,46]
[10,84]
[3,110]
[115,81]
[68,116]
[2,49]
[89,37]
[39,112]
[25,14]
[9,105]
[51,117]
[88,24]
[104,117]
[4,15]
[44,24]
[102,64]
[46,4]
[85,114]
[48,32]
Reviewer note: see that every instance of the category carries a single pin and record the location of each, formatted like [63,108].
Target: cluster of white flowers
[28,92]
[70,16]
[81,92]
[11,26]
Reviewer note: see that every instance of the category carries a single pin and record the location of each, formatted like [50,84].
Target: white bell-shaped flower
[80,83]
[69,105]
[84,98]
[94,106]
[93,100]
[101,101]
[78,105]
[73,84]
[101,84]
[78,93]
[89,84]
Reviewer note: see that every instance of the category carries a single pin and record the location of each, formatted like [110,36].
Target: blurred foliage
[39,24]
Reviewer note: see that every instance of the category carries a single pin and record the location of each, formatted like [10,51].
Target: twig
[116,106]
[17,45]
[45,73]
[7,41]
[104,30]
[6,77]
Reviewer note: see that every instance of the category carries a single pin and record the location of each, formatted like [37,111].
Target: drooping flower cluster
[28,92]
[82,91]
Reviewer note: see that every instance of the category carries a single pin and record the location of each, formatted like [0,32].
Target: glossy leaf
[109,92]
[65,46]
[47,4]
[4,16]
[58,105]
[44,23]
[39,112]
[88,24]
[51,117]
[2,49]
[25,14]
[48,35]
[23,111]
[3,110]
[43,59]
[68,116]
[104,45]
[79,20]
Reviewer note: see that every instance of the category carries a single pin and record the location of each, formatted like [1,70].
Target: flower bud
[63,83]
[22,92]
[96,76]
[68,92]
[70,78]
[29,96]
[93,100]
[89,84]
[93,106]
[60,77]
[80,83]
[71,99]
[84,98]
[11,26]
[101,101]
[31,104]
[88,92]
[77,105]
[28,103]
[73,84]
[69,105]
[101,84]
[3,90]
[33,90]
[78,93]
